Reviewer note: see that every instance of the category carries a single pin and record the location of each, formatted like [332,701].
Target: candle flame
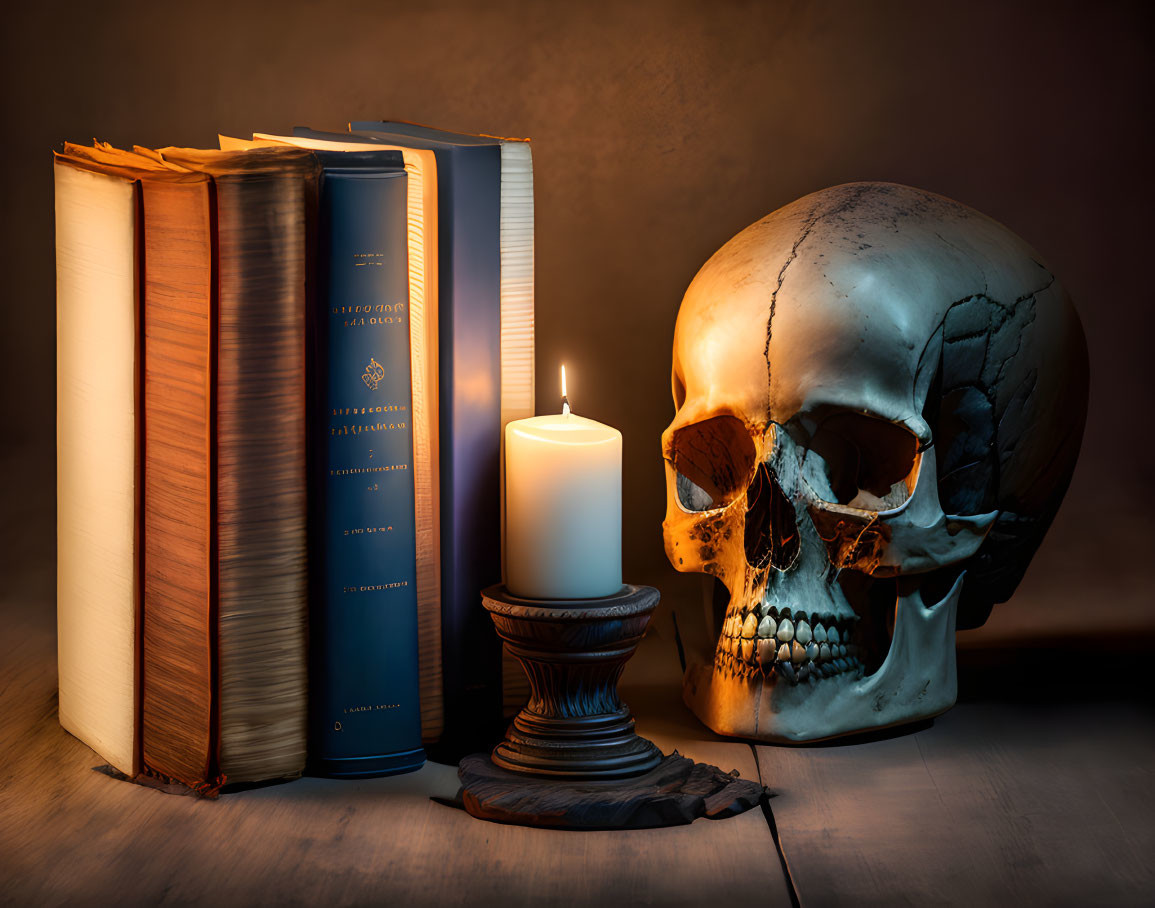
[564,396]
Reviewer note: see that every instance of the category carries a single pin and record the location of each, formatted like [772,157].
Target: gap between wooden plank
[768,812]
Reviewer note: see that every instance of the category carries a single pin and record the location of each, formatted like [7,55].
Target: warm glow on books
[421,210]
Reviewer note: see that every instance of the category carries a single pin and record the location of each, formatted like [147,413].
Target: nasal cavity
[771,530]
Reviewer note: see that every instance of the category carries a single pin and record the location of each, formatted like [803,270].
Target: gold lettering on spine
[375,587]
[371,314]
[352,471]
[363,259]
[362,429]
[356,411]
[367,709]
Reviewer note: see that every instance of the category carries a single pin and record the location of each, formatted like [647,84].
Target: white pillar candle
[563,507]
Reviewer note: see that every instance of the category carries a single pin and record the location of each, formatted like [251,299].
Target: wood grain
[1002,801]
[71,835]
[993,804]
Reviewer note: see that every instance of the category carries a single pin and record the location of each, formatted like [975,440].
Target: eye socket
[866,462]
[714,461]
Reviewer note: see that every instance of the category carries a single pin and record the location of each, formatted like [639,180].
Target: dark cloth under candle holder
[571,757]
[677,791]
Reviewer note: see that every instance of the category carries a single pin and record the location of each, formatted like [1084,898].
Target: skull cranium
[880,398]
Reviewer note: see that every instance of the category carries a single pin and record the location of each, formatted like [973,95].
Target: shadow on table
[1059,669]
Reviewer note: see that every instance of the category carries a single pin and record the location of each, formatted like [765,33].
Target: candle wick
[564,405]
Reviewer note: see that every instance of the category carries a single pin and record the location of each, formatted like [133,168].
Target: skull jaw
[916,681]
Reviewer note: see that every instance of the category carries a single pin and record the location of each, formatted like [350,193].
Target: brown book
[178,734]
[259,437]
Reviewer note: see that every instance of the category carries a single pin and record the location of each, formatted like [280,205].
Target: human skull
[880,398]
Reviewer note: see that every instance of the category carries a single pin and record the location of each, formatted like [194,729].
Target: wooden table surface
[1037,793]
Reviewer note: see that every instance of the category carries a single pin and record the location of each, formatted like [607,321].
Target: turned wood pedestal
[571,759]
[573,651]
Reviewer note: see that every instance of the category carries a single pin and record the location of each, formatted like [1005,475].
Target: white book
[97,468]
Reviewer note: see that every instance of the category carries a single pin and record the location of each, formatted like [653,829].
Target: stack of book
[284,367]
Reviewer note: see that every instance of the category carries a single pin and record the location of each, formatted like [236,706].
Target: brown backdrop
[660,130]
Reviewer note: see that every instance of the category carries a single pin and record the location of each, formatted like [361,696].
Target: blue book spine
[469,207]
[470,358]
[365,712]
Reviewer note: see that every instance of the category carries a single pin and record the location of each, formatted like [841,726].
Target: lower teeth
[794,672]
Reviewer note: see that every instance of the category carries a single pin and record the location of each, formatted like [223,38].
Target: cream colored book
[97,487]
[421,204]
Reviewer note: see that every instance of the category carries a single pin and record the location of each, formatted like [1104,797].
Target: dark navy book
[364,702]
[469,211]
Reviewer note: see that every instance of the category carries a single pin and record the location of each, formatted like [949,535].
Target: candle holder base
[573,652]
[675,792]
[571,759]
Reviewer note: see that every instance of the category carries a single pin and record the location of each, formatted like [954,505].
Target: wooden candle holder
[573,651]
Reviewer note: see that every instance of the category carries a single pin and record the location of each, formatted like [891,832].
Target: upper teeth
[790,646]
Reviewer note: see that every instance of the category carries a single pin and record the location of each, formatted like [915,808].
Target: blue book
[469,208]
[364,708]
